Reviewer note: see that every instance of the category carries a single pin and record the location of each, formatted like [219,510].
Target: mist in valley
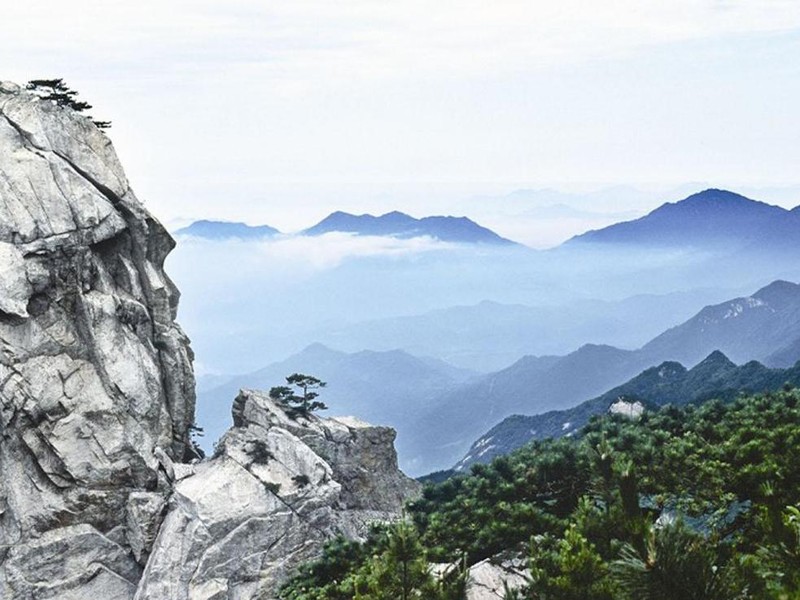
[458,311]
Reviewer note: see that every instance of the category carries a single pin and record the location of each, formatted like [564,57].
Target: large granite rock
[276,490]
[94,373]
[97,499]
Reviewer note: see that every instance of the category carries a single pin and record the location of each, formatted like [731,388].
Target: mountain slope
[532,384]
[786,356]
[709,219]
[397,224]
[668,383]
[752,328]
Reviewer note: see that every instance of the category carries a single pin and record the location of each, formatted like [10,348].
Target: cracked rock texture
[276,490]
[94,372]
[97,401]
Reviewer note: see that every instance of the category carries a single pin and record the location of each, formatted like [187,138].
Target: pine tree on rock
[302,400]
[56,90]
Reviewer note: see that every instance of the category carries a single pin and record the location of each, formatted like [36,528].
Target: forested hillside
[668,383]
[697,502]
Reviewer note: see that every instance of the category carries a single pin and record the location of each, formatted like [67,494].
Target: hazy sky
[279,112]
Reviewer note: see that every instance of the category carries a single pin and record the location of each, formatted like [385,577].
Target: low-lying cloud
[293,257]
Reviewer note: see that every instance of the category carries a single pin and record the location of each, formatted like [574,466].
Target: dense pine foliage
[692,502]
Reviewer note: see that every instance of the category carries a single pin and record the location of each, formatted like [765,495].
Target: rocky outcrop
[277,488]
[97,402]
[94,372]
[492,578]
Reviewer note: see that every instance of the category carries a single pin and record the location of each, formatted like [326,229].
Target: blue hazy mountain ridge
[285,286]
[381,387]
[710,219]
[398,224]
[756,328]
[669,383]
[489,336]
[226,230]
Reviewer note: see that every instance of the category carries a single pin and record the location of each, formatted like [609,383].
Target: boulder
[490,578]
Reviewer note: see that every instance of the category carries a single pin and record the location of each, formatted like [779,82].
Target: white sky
[281,112]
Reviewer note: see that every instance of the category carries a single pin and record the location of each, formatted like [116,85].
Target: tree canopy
[300,396]
[693,502]
[56,90]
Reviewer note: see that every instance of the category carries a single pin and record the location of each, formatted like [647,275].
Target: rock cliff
[97,402]
[94,373]
[276,489]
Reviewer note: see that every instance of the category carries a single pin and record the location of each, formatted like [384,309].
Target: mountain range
[443,299]
[393,224]
[400,225]
[535,385]
[669,383]
[439,410]
[713,218]
[489,336]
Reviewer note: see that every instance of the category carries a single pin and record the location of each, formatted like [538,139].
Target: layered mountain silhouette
[401,225]
[225,230]
[489,336]
[713,218]
[668,383]
[752,328]
[394,224]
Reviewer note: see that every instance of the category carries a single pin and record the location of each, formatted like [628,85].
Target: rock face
[97,403]
[94,372]
[276,490]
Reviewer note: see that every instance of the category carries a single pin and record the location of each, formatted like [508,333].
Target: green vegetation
[57,91]
[697,502]
[299,404]
[390,565]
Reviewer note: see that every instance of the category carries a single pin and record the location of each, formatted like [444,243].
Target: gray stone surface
[94,372]
[98,496]
[489,579]
[276,490]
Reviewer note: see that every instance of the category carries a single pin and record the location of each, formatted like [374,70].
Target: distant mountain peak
[317,347]
[716,359]
[400,225]
[745,328]
[779,291]
[225,230]
[714,199]
[718,195]
[712,218]
[395,213]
